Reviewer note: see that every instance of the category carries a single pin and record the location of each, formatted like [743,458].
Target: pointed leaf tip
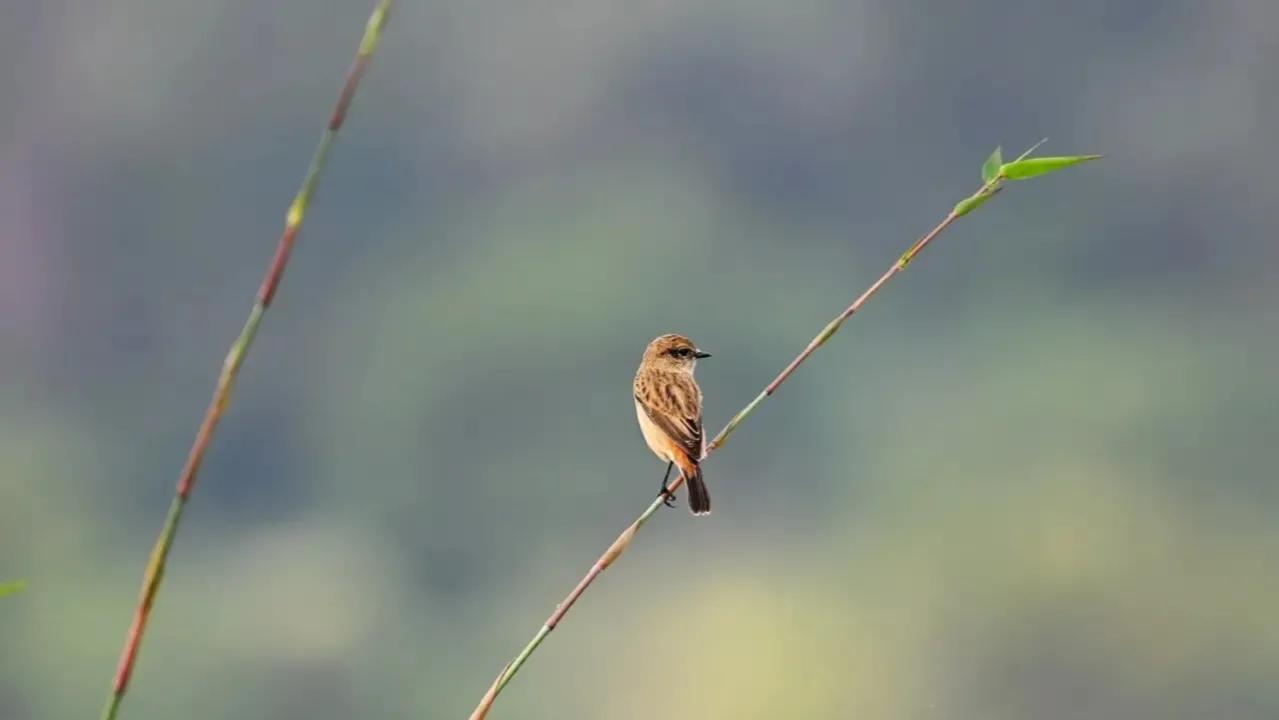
[1032,167]
[990,168]
[1031,149]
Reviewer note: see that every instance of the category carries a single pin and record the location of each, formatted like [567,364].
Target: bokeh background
[1034,479]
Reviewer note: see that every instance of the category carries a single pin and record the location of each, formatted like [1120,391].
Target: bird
[668,405]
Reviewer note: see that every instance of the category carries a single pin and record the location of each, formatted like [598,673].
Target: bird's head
[673,352]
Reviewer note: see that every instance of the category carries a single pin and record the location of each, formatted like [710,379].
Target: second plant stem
[620,544]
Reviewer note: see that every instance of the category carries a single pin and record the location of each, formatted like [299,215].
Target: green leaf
[1031,167]
[10,588]
[990,168]
[967,205]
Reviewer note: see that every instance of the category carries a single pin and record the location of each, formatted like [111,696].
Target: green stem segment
[231,366]
[624,540]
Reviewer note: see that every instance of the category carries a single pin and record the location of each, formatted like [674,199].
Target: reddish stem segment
[231,367]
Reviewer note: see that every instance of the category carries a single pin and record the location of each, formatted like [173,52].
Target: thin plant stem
[231,365]
[624,540]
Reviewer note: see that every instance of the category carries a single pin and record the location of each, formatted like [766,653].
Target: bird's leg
[668,497]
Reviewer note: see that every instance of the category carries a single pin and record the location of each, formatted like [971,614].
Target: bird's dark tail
[699,498]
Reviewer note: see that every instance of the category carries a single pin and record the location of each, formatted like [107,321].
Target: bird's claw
[668,498]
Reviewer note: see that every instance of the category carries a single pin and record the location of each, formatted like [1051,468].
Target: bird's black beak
[699,354]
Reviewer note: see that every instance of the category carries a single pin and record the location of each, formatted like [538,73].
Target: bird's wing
[679,416]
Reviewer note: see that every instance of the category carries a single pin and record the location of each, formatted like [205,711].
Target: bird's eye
[683,352]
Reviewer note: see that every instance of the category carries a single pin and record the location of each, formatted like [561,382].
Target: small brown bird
[668,404]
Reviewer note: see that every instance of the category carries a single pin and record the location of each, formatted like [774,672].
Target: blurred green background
[1034,479]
